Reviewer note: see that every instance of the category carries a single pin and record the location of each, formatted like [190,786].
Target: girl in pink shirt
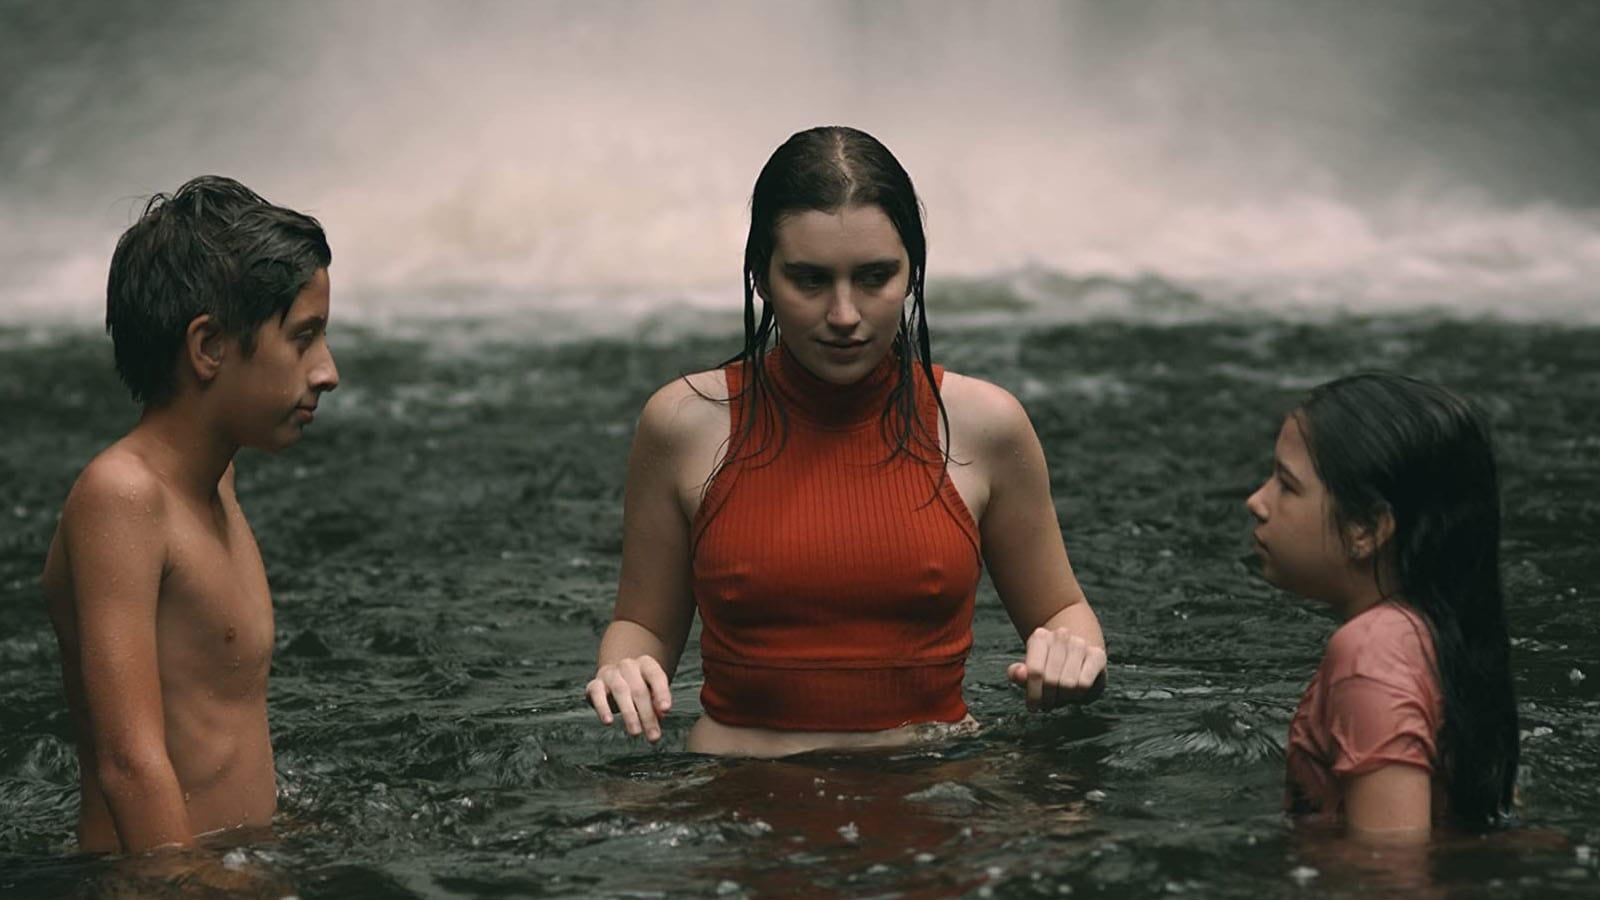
[1384,503]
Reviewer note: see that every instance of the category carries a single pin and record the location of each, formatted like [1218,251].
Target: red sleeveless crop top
[835,583]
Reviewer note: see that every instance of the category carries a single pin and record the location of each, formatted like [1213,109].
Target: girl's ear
[204,347]
[1383,530]
[1364,541]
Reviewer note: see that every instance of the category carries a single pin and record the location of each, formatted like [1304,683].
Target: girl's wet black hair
[211,247]
[1386,443]
[827,169]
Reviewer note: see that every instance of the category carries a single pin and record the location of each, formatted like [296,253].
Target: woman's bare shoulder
[686,406]
[986,412]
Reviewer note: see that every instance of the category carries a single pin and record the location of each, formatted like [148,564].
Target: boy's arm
[117,550]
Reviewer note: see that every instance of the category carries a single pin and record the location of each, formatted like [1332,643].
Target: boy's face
[270,395]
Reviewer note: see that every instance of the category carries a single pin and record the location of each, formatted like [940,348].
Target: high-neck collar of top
[823,402]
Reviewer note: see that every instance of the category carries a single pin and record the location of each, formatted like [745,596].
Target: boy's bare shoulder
[117,483]
[116,506]
[686,407]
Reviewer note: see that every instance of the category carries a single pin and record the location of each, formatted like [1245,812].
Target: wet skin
[159,598]
[837,284]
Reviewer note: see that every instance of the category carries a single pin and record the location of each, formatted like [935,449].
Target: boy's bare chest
[215,614]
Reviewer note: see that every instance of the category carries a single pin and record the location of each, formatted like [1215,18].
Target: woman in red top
[1384,503]
[827,498]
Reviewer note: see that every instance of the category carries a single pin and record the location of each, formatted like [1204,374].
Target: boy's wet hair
[211,247]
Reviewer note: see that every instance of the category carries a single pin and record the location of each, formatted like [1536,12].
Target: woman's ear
[204,347]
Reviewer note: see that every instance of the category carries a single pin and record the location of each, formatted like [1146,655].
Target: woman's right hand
[637,689]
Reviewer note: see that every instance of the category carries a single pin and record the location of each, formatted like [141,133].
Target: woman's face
[837,284]
[1295,534]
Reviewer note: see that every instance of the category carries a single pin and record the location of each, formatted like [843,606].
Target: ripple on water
[1218,738]
[441,578]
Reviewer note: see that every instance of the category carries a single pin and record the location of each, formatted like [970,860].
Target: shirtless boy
[217,305]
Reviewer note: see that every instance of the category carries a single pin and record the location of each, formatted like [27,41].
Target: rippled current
[443,550]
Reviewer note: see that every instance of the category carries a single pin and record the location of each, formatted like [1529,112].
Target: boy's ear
[204,347]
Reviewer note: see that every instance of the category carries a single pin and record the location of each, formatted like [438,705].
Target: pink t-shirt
[1374,701]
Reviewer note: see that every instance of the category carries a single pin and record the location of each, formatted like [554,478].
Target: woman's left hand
[1059,667]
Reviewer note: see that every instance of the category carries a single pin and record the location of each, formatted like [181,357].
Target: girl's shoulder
[1390,642]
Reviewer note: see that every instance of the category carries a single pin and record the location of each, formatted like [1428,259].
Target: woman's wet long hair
[828,169]
[1385,443]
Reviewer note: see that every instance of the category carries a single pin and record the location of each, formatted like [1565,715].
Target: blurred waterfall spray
[594,159]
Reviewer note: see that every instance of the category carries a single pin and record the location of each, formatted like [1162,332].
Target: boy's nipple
[232,633]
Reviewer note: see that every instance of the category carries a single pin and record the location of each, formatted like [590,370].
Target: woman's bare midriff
[717,739]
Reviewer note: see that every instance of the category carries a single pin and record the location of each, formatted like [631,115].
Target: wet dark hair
[827,169]
[1386,443]
[211,247]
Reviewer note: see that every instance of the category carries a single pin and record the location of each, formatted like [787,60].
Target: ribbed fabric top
[835,582]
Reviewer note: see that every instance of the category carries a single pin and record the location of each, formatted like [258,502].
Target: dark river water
[443,549]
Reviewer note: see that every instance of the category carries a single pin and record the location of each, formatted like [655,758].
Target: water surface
[443,550]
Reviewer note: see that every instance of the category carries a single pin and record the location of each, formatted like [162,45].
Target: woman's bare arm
[655,602]
[1027,559]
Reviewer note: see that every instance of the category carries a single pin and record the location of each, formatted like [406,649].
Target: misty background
[1156,222]
[591,162]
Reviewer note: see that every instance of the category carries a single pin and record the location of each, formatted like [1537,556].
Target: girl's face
[837,284]
[1295,534]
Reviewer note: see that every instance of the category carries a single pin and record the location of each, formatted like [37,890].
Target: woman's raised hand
[1060,667]
[635,688]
